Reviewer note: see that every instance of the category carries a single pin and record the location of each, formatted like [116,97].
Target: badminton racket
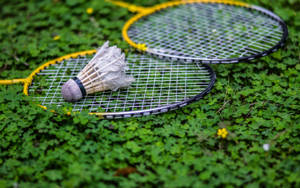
[160,85]
[206,31]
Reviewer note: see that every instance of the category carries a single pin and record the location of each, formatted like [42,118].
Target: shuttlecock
[105,71]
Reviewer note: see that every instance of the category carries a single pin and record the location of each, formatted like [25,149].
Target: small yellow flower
[222,133]
[68,113]
[57,37]
[89,10]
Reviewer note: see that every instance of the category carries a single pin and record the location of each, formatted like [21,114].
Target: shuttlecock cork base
[105,71]
[73,90]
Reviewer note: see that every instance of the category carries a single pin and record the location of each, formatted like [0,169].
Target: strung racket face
[160,86]
[208,32]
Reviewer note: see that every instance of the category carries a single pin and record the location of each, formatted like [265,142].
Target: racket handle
[13,81]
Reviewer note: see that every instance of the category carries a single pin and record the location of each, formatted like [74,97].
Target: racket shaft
[128,6]
[10,82]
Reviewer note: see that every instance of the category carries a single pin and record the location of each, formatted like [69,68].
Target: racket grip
[13,81]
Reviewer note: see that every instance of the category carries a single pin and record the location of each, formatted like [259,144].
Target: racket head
[160,86]
[214,31]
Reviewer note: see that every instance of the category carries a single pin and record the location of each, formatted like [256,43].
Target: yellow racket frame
[145,11]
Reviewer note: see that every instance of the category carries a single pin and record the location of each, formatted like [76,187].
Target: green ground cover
[258,103]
